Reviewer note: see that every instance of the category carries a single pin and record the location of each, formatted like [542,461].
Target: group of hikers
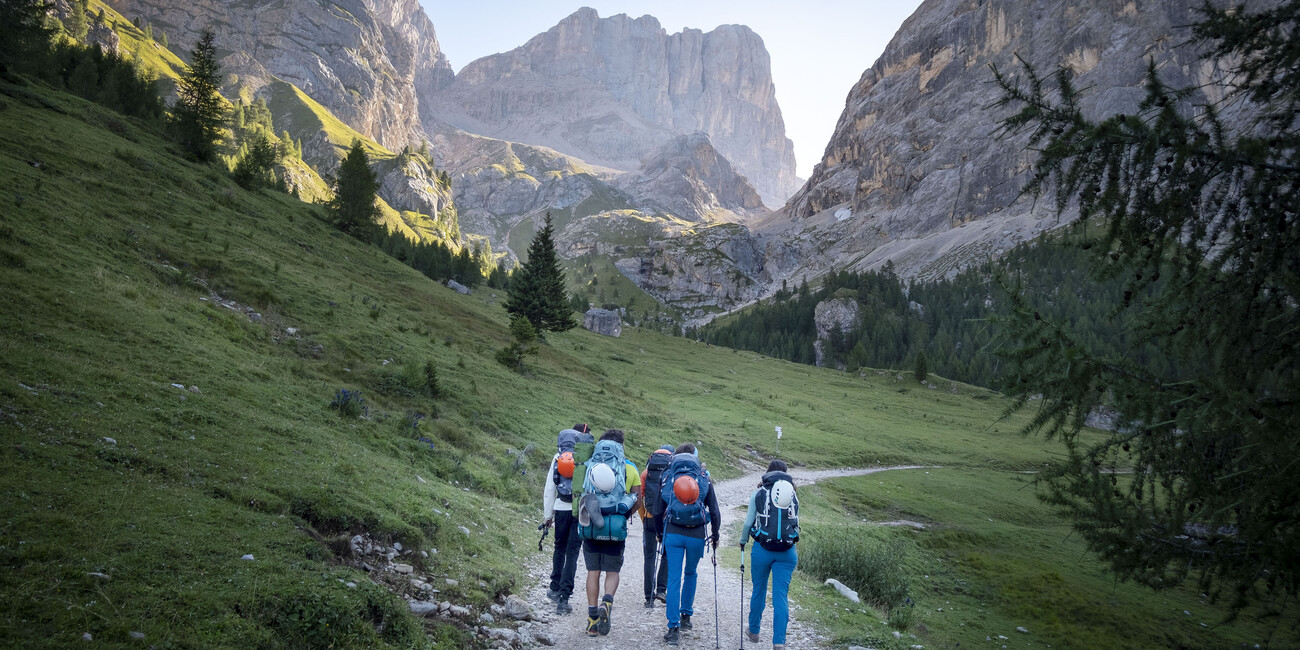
[592,492]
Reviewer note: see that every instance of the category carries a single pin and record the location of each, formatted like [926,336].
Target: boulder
[844,590]
[517,608]
[603,321]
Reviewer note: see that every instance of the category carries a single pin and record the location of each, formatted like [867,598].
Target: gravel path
[634,626]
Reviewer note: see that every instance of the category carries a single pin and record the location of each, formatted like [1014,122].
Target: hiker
[652,526]
[609,495]
[557,506]
[773,522]
[689,506]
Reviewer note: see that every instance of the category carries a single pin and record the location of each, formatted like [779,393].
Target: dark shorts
[603,556]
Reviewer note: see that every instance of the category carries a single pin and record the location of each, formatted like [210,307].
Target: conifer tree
[26,37]
[1197,214]
[78,22]
[537,288]
[355,193]
[199,112]
[922,366]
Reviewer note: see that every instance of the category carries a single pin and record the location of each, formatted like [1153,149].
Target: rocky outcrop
[829,315]
[610,90]
[370,62]
[718,266]
[407,183]
[916,170]
[688,179]
[603,321]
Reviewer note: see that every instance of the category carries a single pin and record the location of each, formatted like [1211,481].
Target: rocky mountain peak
[611,90]
[687,178]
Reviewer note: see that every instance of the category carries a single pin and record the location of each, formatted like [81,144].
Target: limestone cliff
[916,171]
[610,90]
[370,62]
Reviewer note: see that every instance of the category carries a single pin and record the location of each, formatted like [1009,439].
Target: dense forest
[947,323]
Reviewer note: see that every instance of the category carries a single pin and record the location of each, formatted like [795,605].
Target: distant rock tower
[603,321]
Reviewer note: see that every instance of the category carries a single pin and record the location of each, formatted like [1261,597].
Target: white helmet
[603,478]
[782,494]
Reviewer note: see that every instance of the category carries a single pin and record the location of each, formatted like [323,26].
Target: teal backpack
[615,504]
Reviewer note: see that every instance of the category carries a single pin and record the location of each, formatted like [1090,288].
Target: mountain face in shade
[611,90]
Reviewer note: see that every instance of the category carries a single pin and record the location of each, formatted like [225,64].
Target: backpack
[651,479]
[616,503]
[678,513]
[567,442]
[775,529]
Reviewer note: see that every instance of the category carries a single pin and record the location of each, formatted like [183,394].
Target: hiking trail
[635,626]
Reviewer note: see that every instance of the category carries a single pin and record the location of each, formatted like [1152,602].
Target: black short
[603,555]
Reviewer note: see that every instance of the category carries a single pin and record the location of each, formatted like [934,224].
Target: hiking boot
[602,622]
[778,646]
[752,636]
[553,595]
[661,596]
[562,605]
[686,622]
[673,636]
[592,626]
[650,603]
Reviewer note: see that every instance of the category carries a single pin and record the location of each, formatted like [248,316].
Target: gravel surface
[635,626]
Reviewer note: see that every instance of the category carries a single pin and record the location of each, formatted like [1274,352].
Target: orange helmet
[565,464]
[686,489]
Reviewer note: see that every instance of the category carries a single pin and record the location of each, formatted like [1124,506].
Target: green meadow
[170,345]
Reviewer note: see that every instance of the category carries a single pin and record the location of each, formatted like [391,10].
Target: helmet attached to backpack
[782,494]
[686,489]
[776,515]
[602,478]
[564,465]
[685,508]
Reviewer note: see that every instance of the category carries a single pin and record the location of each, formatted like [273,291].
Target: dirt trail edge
[634,626]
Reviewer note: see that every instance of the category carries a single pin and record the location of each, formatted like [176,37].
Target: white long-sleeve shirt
[550,497]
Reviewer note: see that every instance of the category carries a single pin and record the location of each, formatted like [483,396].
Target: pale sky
[819,48]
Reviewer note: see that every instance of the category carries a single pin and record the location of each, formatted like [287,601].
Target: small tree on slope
[353,205]
[537,289]
[199,112]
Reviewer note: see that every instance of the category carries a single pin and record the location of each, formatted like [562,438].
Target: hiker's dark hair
[777,466]
[581,428]
[685,448]
[613,434]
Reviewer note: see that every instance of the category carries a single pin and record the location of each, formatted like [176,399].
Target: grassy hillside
[171,345]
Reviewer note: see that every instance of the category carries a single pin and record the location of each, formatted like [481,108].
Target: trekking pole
[717,635]
[742,596]
[545,531]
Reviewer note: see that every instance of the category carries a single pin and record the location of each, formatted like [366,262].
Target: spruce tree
[922,366]
[199,111]
[355,193]
[537,288]
[1196,212]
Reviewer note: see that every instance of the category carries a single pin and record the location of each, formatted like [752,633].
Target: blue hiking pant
[684,554]
[780,566]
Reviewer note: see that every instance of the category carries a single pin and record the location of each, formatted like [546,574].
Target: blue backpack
[615,504]
[678,513]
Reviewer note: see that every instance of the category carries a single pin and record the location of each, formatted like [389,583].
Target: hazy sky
[819,48]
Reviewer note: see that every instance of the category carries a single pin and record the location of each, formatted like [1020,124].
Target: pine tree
[1199,219]
[355,193]
[922,366]
[78,22]
[537,288]
[199,111]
